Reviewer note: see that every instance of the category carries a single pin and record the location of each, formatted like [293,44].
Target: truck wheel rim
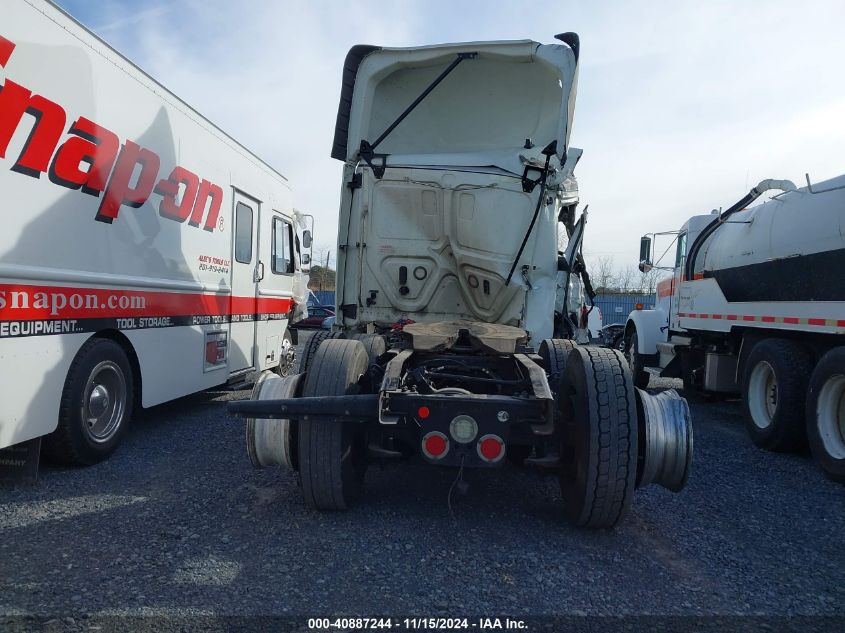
[830,416]
[288,358]
[632,355]
[763,394]
[104,401]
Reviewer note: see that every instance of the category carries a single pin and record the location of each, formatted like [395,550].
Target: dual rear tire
[826,414]
[789,403]
[332,453]
[600,437]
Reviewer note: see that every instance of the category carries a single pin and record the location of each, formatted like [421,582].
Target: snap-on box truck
[144,253]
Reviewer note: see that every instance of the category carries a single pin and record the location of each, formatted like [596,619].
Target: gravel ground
[177,522]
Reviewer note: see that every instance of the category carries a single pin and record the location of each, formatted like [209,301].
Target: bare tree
[626,279]
[648,281]
[602,272]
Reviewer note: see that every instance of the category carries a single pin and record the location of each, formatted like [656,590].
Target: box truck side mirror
[306,238]
[306,259]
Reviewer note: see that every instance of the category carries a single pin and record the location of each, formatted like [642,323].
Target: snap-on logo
[112,167]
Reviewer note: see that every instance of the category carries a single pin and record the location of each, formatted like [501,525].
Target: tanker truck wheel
[96,405]
[774,389]
[599,443]
[332,454]
[826,414]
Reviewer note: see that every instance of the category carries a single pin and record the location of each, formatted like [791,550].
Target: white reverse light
[463,429]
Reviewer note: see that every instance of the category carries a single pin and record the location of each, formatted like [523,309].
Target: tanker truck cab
[650,336]
[458,182]
[755,307]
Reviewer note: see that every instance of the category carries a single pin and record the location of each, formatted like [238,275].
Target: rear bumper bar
[358,407]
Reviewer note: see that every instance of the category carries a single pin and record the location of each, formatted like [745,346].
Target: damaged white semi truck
[457,182]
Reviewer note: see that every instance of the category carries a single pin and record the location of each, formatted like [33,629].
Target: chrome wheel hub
[104,401]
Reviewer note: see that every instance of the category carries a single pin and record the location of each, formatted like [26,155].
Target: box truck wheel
[826,414]
[635,360]
[774,388]
[287,357]
[332,454]
[96,405]
[599,438]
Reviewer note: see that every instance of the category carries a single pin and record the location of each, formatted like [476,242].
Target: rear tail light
[491,448]
[435,445]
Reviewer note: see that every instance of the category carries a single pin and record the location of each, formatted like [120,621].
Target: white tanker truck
[756,306]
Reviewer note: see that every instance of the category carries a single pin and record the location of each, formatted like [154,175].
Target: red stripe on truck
[766,319]
[26,302]
[6,49]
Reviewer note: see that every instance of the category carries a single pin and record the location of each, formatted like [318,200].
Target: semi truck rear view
[458,181]
[756,306]
[144,255]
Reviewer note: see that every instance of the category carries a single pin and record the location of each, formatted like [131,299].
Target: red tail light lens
[491,448]
[435,445]
[423,412]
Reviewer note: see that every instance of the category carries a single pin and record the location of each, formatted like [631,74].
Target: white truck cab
[458,182]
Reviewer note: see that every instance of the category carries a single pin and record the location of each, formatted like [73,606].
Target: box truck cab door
[278,253]
[245,272]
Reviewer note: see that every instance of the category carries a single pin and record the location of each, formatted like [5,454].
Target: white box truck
[144,253]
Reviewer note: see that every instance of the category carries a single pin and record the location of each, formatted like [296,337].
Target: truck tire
[774,388]
[95,407]
[826,414]
[373,343]
[555,352]
[332,455]
[311,347]
[635,361]
[599,443]
[287,356]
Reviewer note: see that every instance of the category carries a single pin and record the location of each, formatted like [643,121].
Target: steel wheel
[287,359]
[104,401]
[762,394]
[830,415]
[826,414]
[96,405]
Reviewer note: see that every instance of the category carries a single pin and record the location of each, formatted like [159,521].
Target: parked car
[316,316]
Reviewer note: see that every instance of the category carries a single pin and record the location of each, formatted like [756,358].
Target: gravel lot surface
[178,522]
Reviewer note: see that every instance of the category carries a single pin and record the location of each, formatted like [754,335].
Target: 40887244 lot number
[414,624]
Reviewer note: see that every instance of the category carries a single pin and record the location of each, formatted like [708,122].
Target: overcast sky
[682,106]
